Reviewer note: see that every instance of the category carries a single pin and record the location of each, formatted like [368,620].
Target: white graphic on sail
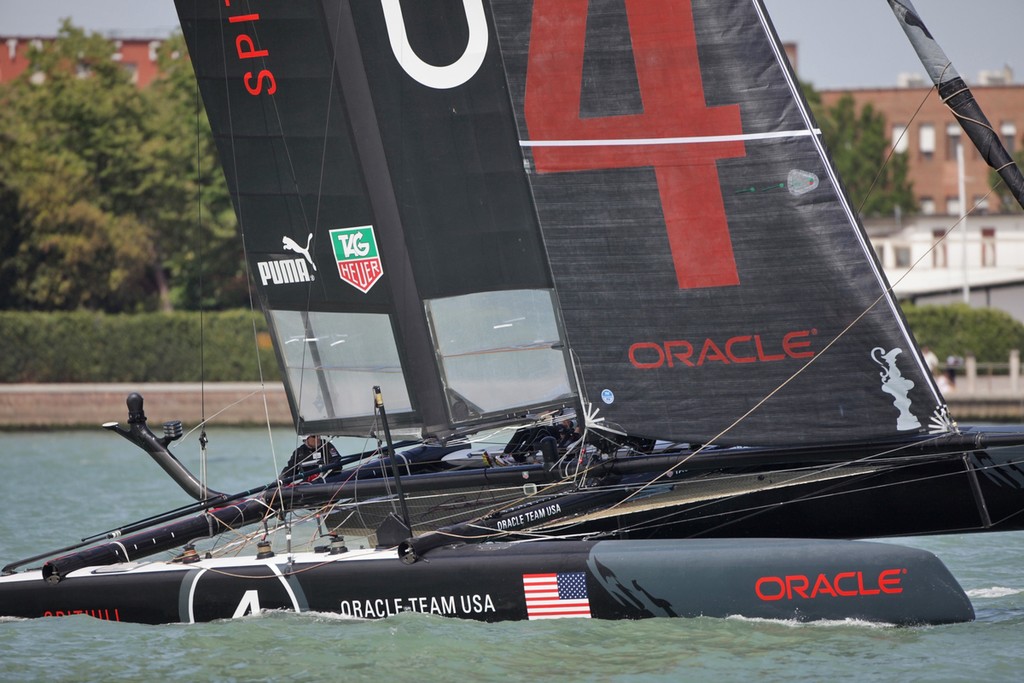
[291,245]
[896,385]
[439,77]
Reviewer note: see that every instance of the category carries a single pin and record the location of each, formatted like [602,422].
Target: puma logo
[291,245]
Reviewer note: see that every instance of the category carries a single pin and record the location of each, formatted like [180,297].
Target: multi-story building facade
[137,55]
[937,256]
[921,125]
[941,259]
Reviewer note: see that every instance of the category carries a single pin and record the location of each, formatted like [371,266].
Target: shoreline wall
[59,406]
[66,406]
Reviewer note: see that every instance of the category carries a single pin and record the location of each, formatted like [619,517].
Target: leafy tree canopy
[99,200]
[876,182]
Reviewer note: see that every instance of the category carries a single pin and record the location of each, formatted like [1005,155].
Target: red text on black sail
[738,349]
[259,80]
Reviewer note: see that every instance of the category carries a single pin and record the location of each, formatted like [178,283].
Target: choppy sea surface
[57,487]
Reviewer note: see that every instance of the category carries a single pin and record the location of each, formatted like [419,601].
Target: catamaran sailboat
[496,213]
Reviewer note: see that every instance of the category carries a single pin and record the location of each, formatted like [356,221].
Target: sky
[841,43]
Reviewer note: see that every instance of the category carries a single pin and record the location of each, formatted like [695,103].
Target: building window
[927,206]
[900,141]
[1008,131]
[902,255]
[980,204]
[880,253]
[988,247]
[952,206]
[952,140]
[940,258]
[926,140]
[133,71]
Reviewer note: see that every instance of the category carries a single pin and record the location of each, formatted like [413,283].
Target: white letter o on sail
[439,77]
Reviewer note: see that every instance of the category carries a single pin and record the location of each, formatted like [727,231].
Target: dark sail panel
[704,253]
[370,202]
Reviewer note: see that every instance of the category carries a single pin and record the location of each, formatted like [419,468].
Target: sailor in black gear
[311,454]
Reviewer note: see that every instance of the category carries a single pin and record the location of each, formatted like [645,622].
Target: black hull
[773,579]
[982,491]
[838,493]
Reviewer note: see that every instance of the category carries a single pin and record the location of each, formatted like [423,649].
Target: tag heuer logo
[355,249]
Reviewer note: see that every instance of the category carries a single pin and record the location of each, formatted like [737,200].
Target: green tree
[876,182]
[957,329]
[70,160]
[99,187]
[1007,202]
[204,258]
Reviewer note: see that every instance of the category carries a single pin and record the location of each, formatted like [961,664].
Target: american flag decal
[556,596]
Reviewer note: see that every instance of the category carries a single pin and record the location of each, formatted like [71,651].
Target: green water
[58,487]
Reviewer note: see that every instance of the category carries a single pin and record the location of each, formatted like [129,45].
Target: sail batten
[672,140]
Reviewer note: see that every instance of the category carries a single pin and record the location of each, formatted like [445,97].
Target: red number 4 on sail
[677,134]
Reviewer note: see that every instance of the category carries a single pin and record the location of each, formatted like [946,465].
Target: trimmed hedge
[145,347]
[988,334]
[165,347]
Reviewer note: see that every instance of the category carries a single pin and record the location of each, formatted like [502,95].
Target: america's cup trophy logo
[896,385]
[355,250]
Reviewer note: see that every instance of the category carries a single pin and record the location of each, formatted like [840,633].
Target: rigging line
[892,149]
[307,324]
[203,475]
[202,425]
[241,229]
[668,471]
[844,201]
[966,212]
[754,511]
[765,508]
[945,234]
[673,511]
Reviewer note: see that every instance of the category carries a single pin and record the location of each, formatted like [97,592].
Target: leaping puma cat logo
[291,245]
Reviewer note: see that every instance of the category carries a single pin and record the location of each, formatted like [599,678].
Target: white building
[938,259]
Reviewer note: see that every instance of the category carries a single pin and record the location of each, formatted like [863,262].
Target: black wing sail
[704,252]
[387,221]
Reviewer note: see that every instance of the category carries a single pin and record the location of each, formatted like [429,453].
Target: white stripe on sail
[697,140]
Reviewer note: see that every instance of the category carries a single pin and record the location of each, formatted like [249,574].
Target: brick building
[931,136]
[137,55]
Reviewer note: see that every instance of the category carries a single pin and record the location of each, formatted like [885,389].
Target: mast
[957,96]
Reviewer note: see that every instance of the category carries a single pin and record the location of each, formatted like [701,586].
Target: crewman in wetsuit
[311,454]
